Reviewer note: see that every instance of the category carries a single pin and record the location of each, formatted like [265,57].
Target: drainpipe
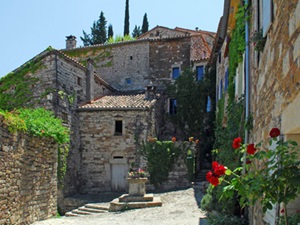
[247,72]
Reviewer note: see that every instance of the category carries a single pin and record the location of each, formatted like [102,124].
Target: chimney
[196,28]
[71,42]
[90,81]
[150,93]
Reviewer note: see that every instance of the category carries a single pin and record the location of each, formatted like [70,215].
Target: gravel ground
[179,208]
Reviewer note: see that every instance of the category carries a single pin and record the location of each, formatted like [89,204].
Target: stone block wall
[275,79]
[28,178]
[101,148]
[165,53]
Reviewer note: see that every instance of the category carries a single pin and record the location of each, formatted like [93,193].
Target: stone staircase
[89,209]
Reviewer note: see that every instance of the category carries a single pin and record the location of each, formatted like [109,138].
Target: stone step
[92,210]
[97,206]
[71,214]
[77,211]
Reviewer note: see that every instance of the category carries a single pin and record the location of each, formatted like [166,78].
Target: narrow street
[179,208]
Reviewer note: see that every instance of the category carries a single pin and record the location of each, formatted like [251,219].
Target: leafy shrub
[223,219]
[206,202]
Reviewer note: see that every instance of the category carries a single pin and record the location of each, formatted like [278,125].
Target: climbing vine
[42,123]
[16,88]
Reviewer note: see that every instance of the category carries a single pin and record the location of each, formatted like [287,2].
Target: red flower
[197,141]
[173,139]
[236,143]
[251,149]
[212,178]
[282,211]
[274,132]
[248,162]
[218,169]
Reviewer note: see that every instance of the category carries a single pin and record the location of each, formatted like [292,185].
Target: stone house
[274,70]
[112,97]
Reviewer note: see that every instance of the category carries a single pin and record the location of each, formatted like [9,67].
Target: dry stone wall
[275,79]
[28,178]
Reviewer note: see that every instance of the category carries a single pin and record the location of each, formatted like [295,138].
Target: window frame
[118,127]
[172,108]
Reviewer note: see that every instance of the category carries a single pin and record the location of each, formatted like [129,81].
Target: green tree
[145,25]
[126,21]
[98,32]
[191,98]
[110,31]
[136,31]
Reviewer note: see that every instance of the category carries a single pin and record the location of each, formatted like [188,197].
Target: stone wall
[275,78]
[166,53]
[101,149]
[117,62]
[28,178]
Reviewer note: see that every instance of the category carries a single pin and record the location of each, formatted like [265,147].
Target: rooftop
[120,102]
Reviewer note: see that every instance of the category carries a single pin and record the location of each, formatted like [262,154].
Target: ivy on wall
[236,48]
[230,119]
[42,123]
[15,87]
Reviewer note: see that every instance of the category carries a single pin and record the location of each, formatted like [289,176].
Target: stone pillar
[137,186]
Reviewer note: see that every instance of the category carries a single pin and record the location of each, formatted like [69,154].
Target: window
[266,16]
[199,72]
[64,117]
[173,106]
[208,104]
[226,80]
[128,81]
[175,72]
[220,56]
[217,93]
[130,57]
[79,81]
[118,127]
[220,91]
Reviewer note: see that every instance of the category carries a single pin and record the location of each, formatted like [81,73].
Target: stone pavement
[180,207]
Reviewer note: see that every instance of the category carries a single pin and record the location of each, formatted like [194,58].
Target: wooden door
[118,177]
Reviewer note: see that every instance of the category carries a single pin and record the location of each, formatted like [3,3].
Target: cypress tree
[98,32]
[145,25]
[110,31]
[136,31]
[126,21]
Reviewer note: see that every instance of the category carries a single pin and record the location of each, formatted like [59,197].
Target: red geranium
[236,143]
[274,132]
[218,169]
[251,149]
[212,178]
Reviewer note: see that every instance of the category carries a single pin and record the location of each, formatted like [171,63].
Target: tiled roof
[120,102]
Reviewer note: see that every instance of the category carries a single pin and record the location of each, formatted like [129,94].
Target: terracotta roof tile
[110,102]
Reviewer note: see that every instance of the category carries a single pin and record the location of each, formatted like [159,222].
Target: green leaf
[228,172]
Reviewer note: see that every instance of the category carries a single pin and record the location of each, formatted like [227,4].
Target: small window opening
[173,106]
[79,81]
[118,127]
[64,117]
[118,157]
[128,80]
[131,57]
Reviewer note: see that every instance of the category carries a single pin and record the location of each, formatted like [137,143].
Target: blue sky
[29,26]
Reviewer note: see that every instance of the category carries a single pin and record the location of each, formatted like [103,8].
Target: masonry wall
[100,147]
[275,78]
[28,178]
[117,62]
[166,53]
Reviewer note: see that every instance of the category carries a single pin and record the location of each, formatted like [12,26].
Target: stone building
[112,97]
[274,69]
